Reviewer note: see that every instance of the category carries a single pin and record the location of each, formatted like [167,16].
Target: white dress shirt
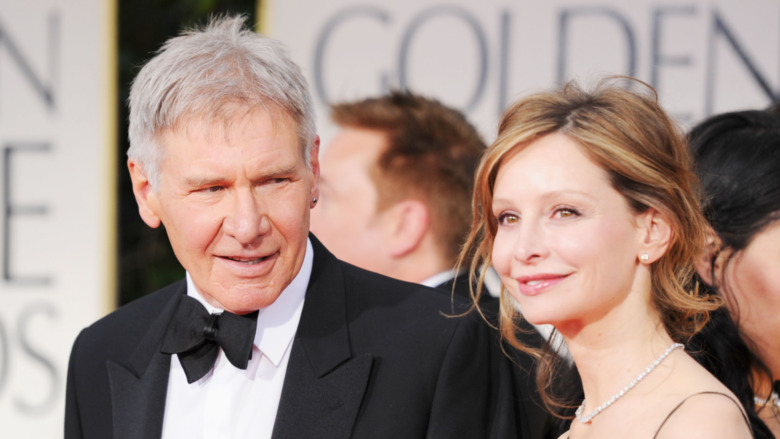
[230,403]
[439,278]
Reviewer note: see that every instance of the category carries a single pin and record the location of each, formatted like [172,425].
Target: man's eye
[208,189]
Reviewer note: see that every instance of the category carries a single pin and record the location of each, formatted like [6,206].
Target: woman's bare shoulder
[707,414]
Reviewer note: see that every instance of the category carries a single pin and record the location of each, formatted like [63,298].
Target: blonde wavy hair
[646,157]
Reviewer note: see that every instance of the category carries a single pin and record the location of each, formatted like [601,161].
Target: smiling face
[567,242]
[235,201]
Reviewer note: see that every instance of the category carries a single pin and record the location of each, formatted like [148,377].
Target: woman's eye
[566,212]
[507,219]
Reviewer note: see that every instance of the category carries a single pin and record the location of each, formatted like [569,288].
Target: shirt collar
[278,322]
[440,278]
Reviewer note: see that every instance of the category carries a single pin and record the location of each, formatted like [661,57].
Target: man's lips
[248,259]
[537,283]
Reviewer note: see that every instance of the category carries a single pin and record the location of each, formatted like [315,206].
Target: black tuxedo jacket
[372,357]
[532,419]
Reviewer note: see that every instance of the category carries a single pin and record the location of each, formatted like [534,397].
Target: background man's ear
[657,235]
[410,223]
[707,259]
[145,196]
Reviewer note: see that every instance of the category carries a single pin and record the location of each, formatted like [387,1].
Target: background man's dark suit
[372,358]
[531,419]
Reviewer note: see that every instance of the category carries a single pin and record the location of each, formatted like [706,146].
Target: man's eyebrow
[276,173]
[197,181]
[204,181]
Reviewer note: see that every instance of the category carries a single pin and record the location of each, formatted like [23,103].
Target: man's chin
[244,299]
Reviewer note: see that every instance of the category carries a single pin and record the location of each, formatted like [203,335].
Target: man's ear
[314,163]
[410,222]
[145,196]
[706,261]
[656,236]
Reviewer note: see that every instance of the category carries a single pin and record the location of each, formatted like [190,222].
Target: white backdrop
[703,56]
[57,202]
[57,120]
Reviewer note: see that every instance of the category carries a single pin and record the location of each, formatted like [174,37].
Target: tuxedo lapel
[139,402]
[324,384]
[139,387]
[322,407]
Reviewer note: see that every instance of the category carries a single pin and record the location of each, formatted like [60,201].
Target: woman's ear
[656,235]
[705,262]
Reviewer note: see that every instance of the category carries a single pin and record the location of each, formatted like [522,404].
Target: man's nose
[248,217]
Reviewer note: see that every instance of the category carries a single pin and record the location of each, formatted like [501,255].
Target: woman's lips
[538,283]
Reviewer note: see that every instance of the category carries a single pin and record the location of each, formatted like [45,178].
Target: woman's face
[567,243]
[752,280]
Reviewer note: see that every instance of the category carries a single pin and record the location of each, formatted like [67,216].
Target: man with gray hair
[269,335]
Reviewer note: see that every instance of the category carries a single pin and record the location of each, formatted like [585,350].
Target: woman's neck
[609,354]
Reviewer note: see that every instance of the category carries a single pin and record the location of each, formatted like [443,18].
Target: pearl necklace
[585,419]
[774,398]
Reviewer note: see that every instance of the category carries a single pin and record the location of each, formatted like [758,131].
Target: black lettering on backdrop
[569,14]
[23,329]
[503,59]
[659,58]
[662,54]
[46,92]
[11,209]
[719,29]
[381,16]
[476,29]
[324,38]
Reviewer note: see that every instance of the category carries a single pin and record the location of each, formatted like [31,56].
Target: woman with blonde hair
[586,207]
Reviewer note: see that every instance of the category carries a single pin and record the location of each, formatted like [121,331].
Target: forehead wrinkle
[224,118]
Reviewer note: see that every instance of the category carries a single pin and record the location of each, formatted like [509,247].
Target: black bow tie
[196,336]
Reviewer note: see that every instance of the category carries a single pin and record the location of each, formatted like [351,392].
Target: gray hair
[206,73]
